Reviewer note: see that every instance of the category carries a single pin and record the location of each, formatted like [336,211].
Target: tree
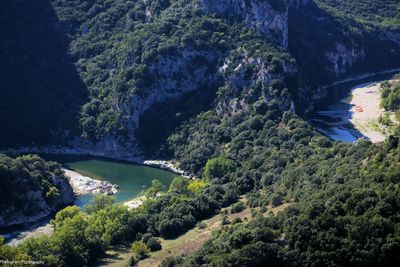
[99,202]
[155,187]
[140,249]
[218,167]
[179,185]
[153,244]
[196,186]
[62,215]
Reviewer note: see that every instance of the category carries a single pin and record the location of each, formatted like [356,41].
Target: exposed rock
[166,165]
[134,203]
[83,185]
[262,77]
[34,206]
[343,57]
[173,77]
[269,21]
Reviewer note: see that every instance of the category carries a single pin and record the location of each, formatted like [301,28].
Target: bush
[276,200]
[225,220]
[145,237]
[140,249]
[218,168]
[132,261]
[238,207]
[201,225]
[153,244]
[236,220]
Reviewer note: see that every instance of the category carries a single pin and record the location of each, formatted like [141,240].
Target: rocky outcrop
[269,20]
[83,185]
[343,57]
[173,77]
[254,72]
[29,204]
[167,165]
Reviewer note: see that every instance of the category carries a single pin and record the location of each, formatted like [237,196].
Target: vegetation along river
[131,178]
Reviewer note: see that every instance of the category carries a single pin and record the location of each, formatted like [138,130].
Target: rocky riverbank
[83,185]
[169,166]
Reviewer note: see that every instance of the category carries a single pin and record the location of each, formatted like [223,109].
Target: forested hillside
[381,13]
[92,69]
[211,85]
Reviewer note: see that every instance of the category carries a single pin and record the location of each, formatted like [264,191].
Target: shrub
[201,225]
[218,168]
[238,207]
[145,237]
[140,249]
[132,261]
[153,244]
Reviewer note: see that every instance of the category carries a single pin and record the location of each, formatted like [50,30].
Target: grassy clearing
[184,244]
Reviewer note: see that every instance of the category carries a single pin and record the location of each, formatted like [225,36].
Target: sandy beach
[365,111]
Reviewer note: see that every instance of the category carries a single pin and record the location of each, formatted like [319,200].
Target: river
[332,115]
[131,178]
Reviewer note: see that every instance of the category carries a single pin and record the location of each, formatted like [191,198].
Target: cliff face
[271,21]
[342,57]
[188,70]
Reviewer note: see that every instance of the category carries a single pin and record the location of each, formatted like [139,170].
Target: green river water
[131,178]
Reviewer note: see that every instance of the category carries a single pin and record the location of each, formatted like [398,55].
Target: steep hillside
[114,61]
[332,40]
[41,91]
[31,188]
[211,85]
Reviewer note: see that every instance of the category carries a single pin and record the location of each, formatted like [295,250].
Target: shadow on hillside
[40,89]
[313,32]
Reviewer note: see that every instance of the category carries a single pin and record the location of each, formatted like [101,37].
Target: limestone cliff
[270,20]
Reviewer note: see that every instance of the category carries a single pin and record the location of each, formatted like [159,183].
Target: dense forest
[232,123]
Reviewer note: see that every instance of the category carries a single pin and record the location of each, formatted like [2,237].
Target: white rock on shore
[162,164]
[83,185]
[134,203]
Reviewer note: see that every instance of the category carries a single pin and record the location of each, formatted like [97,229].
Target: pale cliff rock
[83,185]
[262,77]
[269,21]
[174,76]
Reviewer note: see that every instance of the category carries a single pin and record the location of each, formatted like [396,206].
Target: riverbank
[83,185]
[351,109]
[365,111]
[169,166]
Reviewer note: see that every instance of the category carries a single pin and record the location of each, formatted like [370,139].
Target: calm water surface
[331,115]
[131,178]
